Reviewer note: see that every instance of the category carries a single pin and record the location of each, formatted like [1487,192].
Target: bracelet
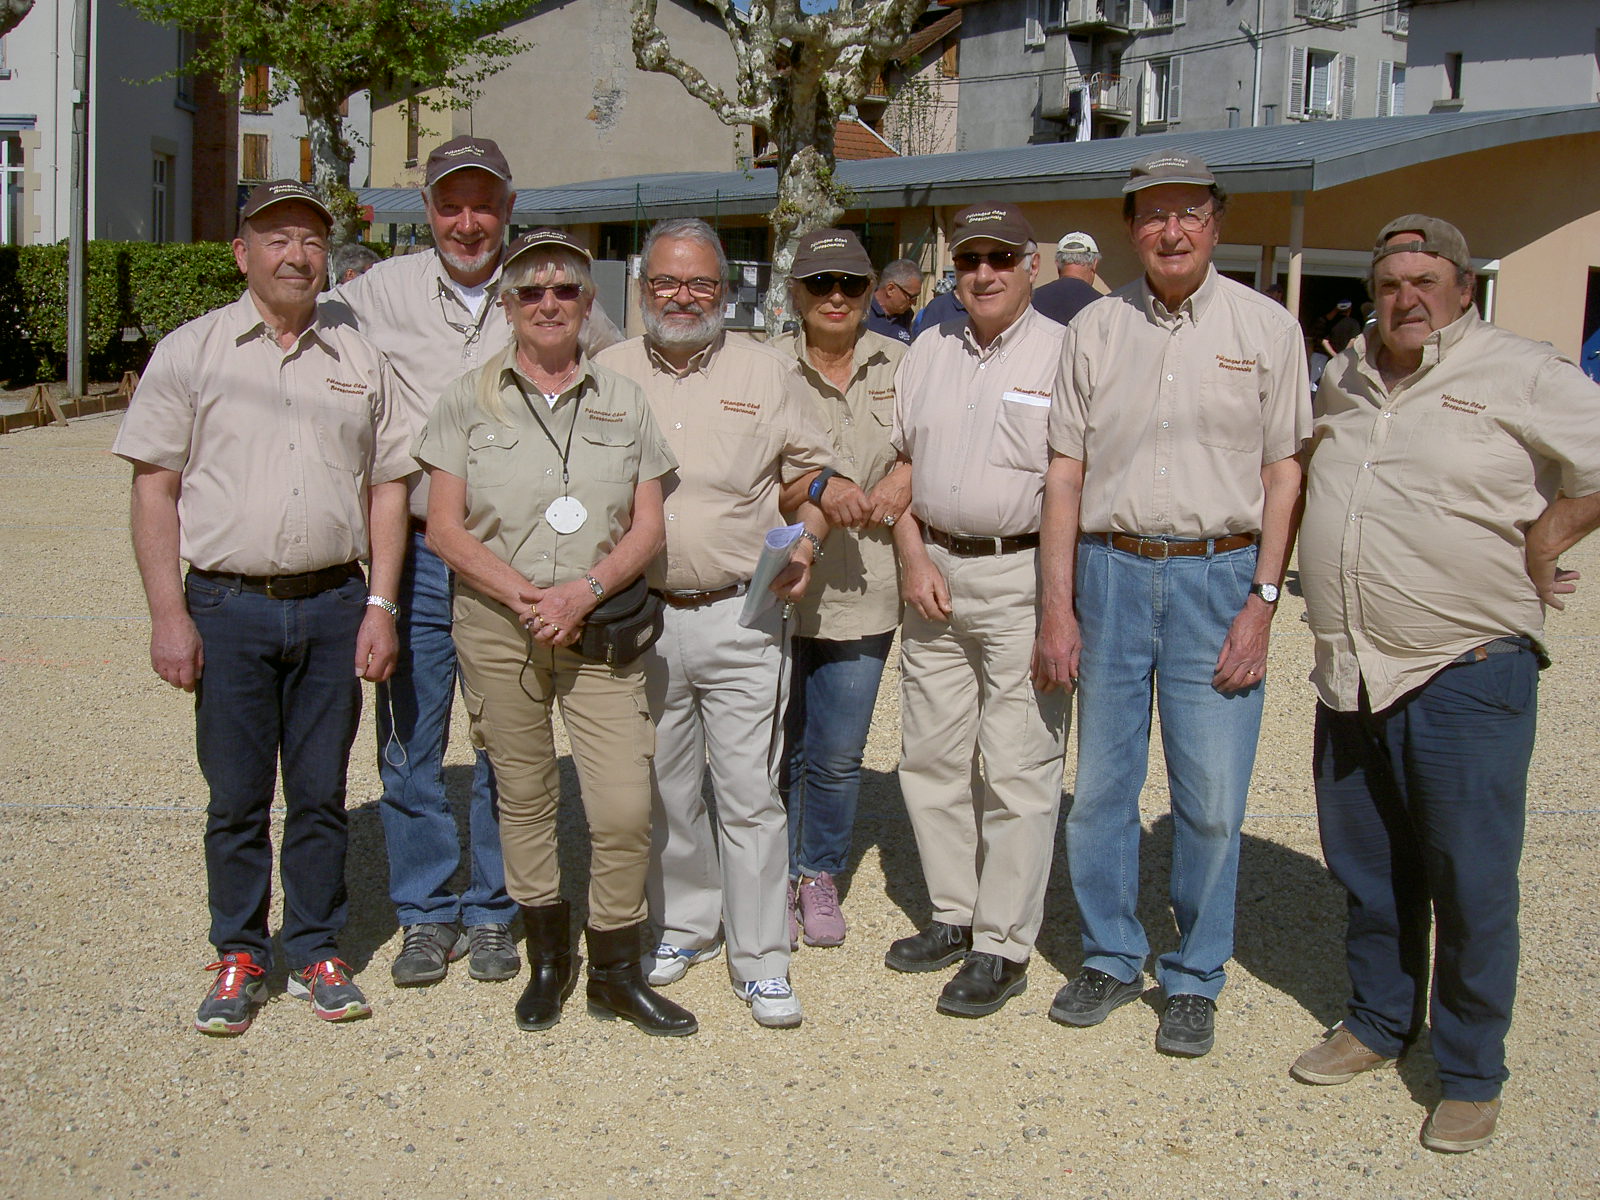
[814,492]
[388,606]
[816,543]
[595,586]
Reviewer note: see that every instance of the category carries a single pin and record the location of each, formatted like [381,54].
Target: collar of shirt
[247,324]
[1002,343]
[508,365]
[444,289]
[700,360]
[1436,347]
[1194,306]
[858,366]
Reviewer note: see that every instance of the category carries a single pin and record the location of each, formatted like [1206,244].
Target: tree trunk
[331,156]
[809,197]
[11,14]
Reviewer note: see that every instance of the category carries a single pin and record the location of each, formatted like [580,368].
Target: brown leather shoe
[1337,1059]
[1457,1126]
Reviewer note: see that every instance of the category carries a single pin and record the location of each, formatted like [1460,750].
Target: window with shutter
[306,171]
[253,96]
[1397,91]
[1347,86]
[1174,75]
[1180,11]
[1385,82]
[255,160]
[1294,104]
[1033,24]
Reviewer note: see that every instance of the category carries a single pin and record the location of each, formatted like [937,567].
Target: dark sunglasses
[533,294]
[823,285]
[1000,260]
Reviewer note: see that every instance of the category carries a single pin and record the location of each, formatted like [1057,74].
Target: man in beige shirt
[736,417]
[981,747]
[436,315]
[1452,463]
[264,447]
[1181,403]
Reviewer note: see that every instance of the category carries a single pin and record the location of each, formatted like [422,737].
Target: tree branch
[652,52]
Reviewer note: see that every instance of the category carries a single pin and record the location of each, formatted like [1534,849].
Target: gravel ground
[108,1091]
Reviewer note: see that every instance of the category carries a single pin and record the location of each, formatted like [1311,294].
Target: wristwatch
[814,492]
[1267,591]
[595,586]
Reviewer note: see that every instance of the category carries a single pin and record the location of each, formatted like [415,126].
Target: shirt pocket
[1021,440]
[344,436]
[1230,411]
[611,454]
[491,461]
[1466,461]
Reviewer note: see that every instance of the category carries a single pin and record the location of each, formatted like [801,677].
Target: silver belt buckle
[1166,547]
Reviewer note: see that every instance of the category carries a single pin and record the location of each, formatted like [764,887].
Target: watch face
[1267,591]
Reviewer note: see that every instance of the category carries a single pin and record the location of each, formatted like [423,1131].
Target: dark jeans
[831,698]
[1422,809]
[279,682]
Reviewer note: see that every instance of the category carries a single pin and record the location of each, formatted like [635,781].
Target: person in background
[892,311]
[350,261]
[1077,261]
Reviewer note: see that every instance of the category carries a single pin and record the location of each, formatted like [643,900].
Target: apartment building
[1076,70]
[1494,54]
[273,141]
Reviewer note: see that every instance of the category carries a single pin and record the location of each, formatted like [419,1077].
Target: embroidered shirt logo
[347,389]
[609,417]
[1456,404]
[745,407]
[1236,364]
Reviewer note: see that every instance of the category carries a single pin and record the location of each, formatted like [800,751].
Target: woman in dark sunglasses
[545,499]
[848,617]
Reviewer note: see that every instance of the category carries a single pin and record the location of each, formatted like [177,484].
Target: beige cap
[1169,168]
[1077,243]
[283,191]
[459,153]
[998,222]
[1434,236]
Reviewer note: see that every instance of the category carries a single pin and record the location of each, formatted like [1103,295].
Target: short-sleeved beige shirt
[855,585]
[1411,550]
[409,309]
[973,420]
[275,448]
[741,426]
[513,469]
[1173,414]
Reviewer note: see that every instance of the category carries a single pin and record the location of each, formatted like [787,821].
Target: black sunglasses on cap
[823,285]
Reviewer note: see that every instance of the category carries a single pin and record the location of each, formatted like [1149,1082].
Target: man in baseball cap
[1077,260]
[1181,403]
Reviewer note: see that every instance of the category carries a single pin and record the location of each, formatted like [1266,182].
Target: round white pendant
[566,515]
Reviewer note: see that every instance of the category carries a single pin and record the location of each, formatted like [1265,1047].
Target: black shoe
[1091,996]
[1188,1026]
[937,946]
[551,972]
[983,985]
[491,954]
[617,988]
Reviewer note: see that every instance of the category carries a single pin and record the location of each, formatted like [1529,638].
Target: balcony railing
[1111,94]
[1087,15]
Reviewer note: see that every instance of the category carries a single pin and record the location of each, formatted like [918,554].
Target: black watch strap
[814,492]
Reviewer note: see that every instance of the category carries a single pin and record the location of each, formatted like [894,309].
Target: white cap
[1077,243]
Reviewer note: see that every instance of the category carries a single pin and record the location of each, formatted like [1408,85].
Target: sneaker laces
[333,972]
[1094,984]
[769,989]
[824,896]
[418,937]
[234,973]
[493,938]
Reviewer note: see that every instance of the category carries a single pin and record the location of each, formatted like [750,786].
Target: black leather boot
[617,987]
[551,972]
[983,985]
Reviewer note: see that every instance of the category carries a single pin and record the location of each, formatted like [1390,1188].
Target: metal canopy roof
[1301,156]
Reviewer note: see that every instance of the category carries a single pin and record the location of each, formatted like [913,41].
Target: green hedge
[144,288]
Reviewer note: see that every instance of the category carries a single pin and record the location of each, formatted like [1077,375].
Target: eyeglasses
[908,294]
[1000,260]
[533,294]
[701,287]
[823,285]
[1190,220]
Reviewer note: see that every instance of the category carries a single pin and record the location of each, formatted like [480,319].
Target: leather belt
[691,599]
[967,546]
[284,587]
[1500,645]
[1174,548]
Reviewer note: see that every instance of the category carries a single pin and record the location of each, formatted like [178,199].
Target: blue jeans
[419,825]
[279,683]
[831,698]
[1155,627]
[1421,808]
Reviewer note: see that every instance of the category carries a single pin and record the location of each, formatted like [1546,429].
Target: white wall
[1509,59]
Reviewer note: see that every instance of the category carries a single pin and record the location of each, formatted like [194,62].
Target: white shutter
[1385,82]
[1347,86]
[1302,8]
[1399,89]
[1350,7]
[1294,104]
[1174,75]
[1180,13]
[1138,14]
[1033,24]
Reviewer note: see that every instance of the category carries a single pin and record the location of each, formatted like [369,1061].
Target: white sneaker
[772,1002]
[669,963]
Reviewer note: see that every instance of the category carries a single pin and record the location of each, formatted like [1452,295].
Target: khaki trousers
[981,751]
[718,688]
[509,693]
